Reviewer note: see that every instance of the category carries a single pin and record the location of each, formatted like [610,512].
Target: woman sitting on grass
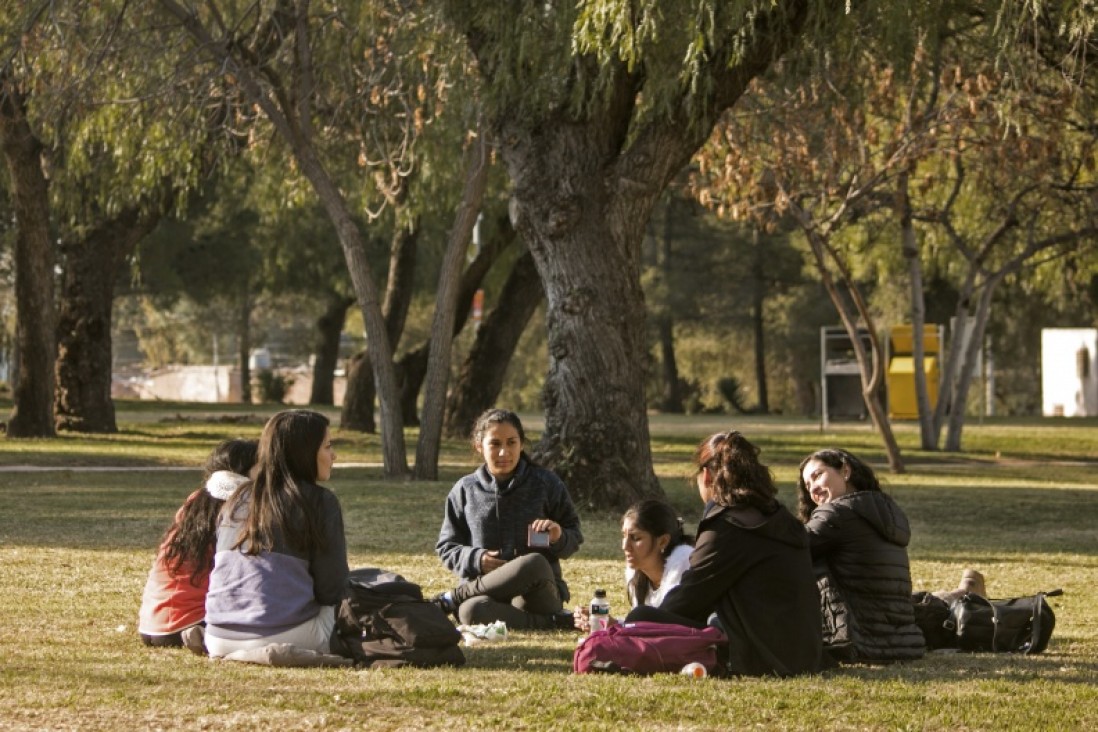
[657,552]
[858,537]
[505,529]
[750,566]
[281,562]
[173,605]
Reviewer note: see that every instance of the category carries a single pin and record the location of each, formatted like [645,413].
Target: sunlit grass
[75,546]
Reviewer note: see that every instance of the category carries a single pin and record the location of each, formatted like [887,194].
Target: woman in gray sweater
[505,529]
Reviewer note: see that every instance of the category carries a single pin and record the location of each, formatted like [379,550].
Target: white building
[1069,372]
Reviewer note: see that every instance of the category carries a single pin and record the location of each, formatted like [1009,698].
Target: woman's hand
[490,560]
[549,525]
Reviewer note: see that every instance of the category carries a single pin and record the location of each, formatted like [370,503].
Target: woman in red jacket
[174,600]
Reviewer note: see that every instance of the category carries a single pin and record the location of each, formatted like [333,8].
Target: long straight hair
[191,535]
[276,499]
[657,518]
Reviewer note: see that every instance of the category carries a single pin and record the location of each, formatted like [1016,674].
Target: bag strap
[1038,617]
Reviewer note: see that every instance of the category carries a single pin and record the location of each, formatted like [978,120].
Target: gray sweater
[482,515]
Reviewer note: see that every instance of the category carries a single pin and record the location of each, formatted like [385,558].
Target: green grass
[75,546]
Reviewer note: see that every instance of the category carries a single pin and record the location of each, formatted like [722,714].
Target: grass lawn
[76,543]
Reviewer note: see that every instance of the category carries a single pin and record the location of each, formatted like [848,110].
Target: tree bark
[329,328]
[84,365]
[671,401]
[758,302]
[32,415]
[909,246]
[442,325]
[358,401]
[481,377]
[585,241]
[244,347]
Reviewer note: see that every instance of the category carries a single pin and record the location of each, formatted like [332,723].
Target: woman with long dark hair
[281,564]
[750,567]
[505,529]
[858,537]
[657,553]
[174,600]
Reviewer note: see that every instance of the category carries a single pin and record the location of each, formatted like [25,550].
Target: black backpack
[973,623]
[384,621]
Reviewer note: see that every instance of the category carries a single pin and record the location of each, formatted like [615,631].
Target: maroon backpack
[647,648]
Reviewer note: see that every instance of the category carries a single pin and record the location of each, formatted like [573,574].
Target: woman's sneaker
[445,602]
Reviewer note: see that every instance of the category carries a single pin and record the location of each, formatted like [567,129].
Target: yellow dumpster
[902,402]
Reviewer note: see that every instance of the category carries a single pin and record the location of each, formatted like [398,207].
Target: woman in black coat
[858,537]
[750,566]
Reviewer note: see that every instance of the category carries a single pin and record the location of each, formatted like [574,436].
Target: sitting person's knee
[534,566]
[477,610]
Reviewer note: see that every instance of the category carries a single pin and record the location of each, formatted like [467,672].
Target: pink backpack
[647,648]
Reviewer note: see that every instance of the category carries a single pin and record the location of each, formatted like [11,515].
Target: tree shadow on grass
[939,667]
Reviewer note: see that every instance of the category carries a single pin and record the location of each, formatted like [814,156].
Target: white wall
[1069,378]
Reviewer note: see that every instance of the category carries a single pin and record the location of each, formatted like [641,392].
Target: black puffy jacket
[859,550]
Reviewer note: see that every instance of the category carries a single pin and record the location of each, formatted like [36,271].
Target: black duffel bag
[973,623]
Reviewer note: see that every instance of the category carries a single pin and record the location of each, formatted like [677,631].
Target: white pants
[313,635]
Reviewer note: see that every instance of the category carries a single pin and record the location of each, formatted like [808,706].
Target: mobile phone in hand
[537,538]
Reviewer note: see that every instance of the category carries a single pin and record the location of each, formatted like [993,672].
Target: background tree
[856,144]
[298,68]
[34,258]
[590,139]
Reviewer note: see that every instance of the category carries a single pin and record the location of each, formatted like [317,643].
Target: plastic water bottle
[600,611]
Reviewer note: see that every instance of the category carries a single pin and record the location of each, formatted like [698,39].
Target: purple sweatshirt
[271,592]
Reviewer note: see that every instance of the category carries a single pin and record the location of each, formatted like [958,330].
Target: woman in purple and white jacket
[280,567]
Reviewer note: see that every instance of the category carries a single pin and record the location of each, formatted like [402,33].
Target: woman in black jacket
[750,566]
[858,537]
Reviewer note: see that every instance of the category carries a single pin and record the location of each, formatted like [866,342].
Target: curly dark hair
[739,479]
[191,535]
[862,477]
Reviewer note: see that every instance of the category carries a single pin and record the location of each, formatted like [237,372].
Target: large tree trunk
[442,325]
[481,376]
[329,327]
[91,268]
[358,401]
[587,173]
[586,244]
[36,333]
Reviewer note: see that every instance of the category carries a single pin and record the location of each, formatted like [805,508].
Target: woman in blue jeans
[505,529]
